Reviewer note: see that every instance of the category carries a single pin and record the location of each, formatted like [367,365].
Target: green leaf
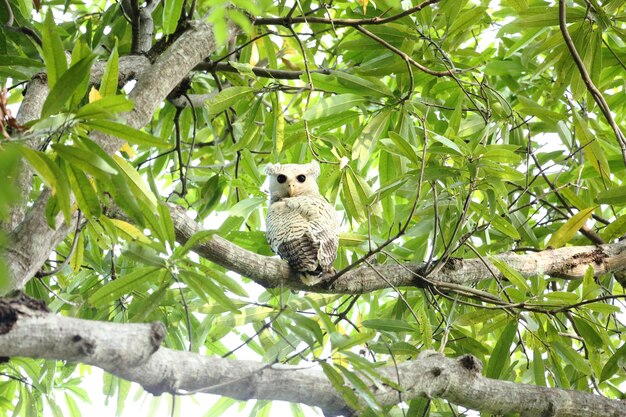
[615,362]
[85,160]
[129,134]
[108,86]
[511,274]
[106,107]
[591,148]
[361,388]
[204,287]
[615,229]
[123,285]
[53,51]
[501,352]
[615,195]
[138,186]
[571,356]
[227,97]
[172,10]
[389,325]
[365,143]
[570,228]
[340,386]
[66,86]
[84,192]
[504,226]
[332,105]
[53,177]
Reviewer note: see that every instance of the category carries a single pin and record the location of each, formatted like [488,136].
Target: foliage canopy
[460,130]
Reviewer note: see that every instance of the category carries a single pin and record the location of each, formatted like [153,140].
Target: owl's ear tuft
[271,168]
[314,168]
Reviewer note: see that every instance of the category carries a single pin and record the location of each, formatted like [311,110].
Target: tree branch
[25,254]
[28,329]
[568,262]
[288,21]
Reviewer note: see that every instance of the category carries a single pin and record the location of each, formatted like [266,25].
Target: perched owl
[301,225]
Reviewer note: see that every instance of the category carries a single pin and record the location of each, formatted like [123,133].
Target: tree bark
[133,352]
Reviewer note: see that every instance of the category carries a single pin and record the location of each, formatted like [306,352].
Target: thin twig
[593,90]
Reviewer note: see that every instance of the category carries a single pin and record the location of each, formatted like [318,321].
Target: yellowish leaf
[94,95]
[569,229]
[129,151]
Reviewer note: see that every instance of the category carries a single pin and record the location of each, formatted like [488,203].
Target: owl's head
[291,180]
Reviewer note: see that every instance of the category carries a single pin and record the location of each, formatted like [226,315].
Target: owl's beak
[292,189]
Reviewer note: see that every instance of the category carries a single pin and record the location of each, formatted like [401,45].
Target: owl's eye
[281,179]
[301,178]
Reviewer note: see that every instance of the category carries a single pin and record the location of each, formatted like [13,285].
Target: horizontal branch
[568,262]
[289,20]
[211,66]
[28,329]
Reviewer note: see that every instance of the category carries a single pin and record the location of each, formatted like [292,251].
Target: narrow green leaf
[123,285]
[405,148]
[511,274]
[172,10]
[204,287]
[53,177]
[84,192]
[571,356]
[166,223]
[570,228]
[591,148]
[615,229]
[615,195]
[365,143]
[389,325]
[85,160]
[129,134]
[53,51]
[136,183]
[108,85]
[106,107]
[361,388]
[227,97]
[332,105]
[66,86]
[501,352]
[615,362]
[340,386]
[504,226]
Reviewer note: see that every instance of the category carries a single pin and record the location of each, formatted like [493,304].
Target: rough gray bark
[28,329]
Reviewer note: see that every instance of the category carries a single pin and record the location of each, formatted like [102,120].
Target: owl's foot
[311,278]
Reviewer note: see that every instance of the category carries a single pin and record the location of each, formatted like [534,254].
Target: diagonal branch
[29,330]
[25,254]
[593,90]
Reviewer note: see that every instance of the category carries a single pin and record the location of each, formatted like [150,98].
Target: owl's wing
[304,231]
[289,236]
[324,229]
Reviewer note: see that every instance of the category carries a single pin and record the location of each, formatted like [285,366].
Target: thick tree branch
[24,255]
[569,262]
[27,329]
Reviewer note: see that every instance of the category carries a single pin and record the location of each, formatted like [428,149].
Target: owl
[301,225]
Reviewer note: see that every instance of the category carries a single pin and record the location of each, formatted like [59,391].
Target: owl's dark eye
[301,178]
[281,178]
